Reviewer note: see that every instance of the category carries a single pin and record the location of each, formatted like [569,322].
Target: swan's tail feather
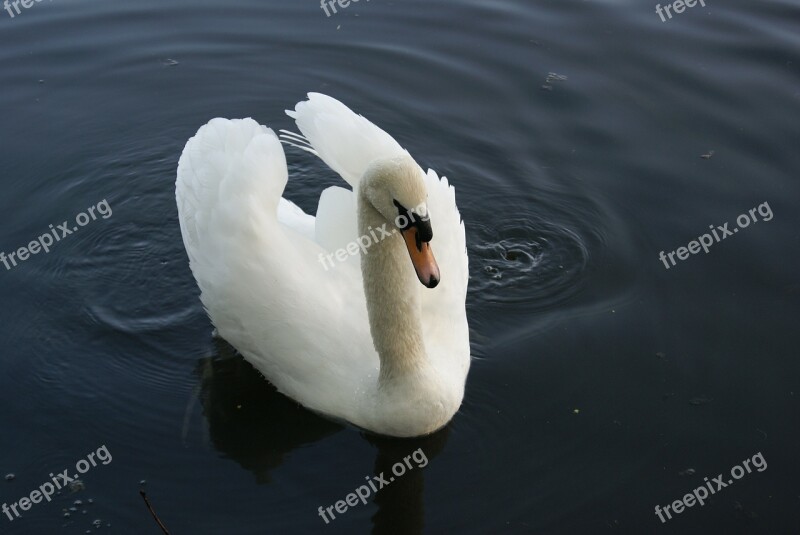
[345,141]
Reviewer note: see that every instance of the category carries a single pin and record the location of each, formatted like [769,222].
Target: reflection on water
[400,504]
[250,422]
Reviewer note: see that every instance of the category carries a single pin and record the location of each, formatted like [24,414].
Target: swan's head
[396,188]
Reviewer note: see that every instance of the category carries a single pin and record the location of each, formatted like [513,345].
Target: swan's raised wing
[257,267]
[345,141]
[231,175]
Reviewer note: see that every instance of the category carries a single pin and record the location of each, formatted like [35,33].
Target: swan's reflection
[400,504]
[248,420]
[251,423]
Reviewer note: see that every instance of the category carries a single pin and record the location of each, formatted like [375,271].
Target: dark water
[602,384]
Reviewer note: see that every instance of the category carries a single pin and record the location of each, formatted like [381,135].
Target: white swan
[359,340]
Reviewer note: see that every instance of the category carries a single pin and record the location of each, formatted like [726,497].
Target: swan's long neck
[393,297]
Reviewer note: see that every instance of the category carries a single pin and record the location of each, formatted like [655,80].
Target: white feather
[256,258]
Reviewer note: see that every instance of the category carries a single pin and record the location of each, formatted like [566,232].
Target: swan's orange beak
[422,257]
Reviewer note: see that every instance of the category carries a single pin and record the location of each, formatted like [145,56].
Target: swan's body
[360,340]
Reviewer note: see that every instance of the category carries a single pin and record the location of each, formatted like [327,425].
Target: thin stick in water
[155,516]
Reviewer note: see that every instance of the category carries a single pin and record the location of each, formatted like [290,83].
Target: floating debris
[76,485]
[143,482]
[699,401]
[77,502]
[741,512]
[493,271]
[552,77]
[661,355]
[98,523]
[10,477]
[576,411]
[169,62]
[708,155]
[143,494]
[687,472]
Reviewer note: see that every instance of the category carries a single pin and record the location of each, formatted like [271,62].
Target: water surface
[602,385]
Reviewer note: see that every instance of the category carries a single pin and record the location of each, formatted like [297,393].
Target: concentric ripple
[526,260]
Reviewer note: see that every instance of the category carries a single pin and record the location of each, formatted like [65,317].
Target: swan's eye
[407,219]
[402,221]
